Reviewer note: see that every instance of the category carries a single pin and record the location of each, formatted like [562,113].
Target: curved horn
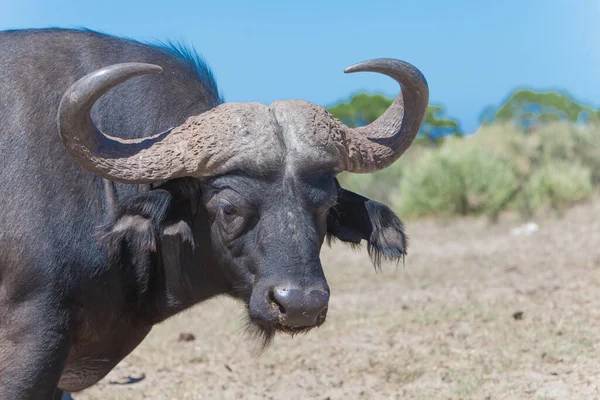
[213,142]
[110,157]
[379,144]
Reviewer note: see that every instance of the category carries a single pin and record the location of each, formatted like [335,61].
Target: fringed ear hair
[356,218]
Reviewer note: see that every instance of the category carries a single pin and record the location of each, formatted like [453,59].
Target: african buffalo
[131,191]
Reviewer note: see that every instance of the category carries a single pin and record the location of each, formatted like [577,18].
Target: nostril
[318,300]
[278,298]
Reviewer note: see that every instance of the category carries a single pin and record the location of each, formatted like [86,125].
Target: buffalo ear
[143,229]
[356,218]
[140,219]
[131,235]
[135,221]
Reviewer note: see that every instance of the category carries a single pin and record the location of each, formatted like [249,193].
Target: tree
[530,109]
[438,125]
[362,109]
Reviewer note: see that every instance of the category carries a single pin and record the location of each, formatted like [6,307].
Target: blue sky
[473,53]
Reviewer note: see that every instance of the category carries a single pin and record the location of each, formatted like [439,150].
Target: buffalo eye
[232,220]
[228,210]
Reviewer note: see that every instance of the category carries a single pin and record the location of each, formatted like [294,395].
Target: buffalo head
[268,194]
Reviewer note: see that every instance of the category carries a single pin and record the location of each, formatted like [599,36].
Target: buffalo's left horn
[379,144]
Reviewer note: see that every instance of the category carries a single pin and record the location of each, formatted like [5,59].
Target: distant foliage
[457,179]
[530,109]
[362,109]
[496,170]
[586,149]
[538,151]
[382,186]
[558,184]
[438,125]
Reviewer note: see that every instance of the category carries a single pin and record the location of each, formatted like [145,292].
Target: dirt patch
[476,313]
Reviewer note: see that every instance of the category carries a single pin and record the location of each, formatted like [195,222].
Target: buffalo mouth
[279,325]
[264,333]
[295,330]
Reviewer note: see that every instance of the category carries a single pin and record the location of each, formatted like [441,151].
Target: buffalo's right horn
[204,144]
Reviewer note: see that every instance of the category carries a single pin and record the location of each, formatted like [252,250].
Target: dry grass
[444,327]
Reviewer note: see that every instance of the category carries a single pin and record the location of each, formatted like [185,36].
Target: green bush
[458,179]
[381,186]
[497,169]
[558,184]
[430,186]
[554,142]
[586,148]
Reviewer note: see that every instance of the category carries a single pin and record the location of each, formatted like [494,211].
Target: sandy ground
[475,314]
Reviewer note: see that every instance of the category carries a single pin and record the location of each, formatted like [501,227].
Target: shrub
[554,142]
[431,186]
[558,184]
[381,186]
[586,149]
[458,179]
[499,168]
